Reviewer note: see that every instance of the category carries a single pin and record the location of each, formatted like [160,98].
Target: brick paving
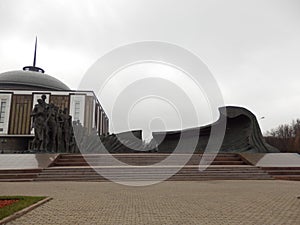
[205,202]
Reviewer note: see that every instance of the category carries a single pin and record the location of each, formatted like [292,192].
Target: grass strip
[24,201]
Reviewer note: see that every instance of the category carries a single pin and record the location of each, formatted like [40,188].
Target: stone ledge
[24,211]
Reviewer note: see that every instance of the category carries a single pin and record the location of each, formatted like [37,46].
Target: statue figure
[73,146]
[60,124]
[39,117]
[43,97]
[67,129]
[51,128]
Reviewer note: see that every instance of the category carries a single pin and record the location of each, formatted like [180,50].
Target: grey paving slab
[26,161]
[206,202]
[273,159]
[280,160]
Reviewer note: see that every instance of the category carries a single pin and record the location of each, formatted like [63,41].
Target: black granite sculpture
[242,134]
[39,115]
[53,130]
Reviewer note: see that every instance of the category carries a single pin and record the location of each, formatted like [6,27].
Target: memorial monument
[52,128]
[32,99]
[242,134]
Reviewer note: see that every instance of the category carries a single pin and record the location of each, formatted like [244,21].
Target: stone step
[149,155]
[154,159]
[87,169]
[139,162]
[288,177]
[148,174]
[154,179]
[72,160]
[16,180]
[135,173]
[17,175]
[224,166]
[7,175]
[284,172]
[58,163]
[143,163]
[137,169]
[281,168]
[6,171]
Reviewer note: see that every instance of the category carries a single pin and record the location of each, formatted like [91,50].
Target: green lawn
[24,201]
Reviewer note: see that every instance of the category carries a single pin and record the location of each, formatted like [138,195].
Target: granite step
[72,163]
[288,177]
[18,174]
[284,172]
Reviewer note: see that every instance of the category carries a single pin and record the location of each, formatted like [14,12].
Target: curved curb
[24,211]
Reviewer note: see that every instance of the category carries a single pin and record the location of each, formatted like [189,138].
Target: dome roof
[30,80]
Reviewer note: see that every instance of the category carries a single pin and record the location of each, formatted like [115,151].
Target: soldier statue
[53,131]
[39,115]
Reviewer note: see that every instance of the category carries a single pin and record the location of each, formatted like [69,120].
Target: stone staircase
[284,173]
[225,166]
[140,159]
[19,175]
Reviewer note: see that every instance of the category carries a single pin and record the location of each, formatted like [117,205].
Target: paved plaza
[205,202]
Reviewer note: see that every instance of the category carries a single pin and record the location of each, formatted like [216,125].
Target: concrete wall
[10,144]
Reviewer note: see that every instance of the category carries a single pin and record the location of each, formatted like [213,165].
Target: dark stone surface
[125,142]
[11,144]
[242,134]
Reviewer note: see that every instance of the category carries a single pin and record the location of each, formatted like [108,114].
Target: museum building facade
[19,92]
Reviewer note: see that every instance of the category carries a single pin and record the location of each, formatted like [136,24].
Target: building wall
[89,113]
[62,101]
[11,144]
[5,102]
[19,119]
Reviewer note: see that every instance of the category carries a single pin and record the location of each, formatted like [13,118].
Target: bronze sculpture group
[53,130]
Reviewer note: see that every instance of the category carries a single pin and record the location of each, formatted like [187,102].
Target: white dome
[29,80]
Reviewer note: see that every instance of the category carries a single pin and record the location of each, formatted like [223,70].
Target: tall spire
[33,67]
[34,57]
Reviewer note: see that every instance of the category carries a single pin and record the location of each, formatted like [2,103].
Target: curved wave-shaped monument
[242,134]
[128,142]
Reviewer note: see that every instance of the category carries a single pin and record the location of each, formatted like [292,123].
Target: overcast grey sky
[252,47]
